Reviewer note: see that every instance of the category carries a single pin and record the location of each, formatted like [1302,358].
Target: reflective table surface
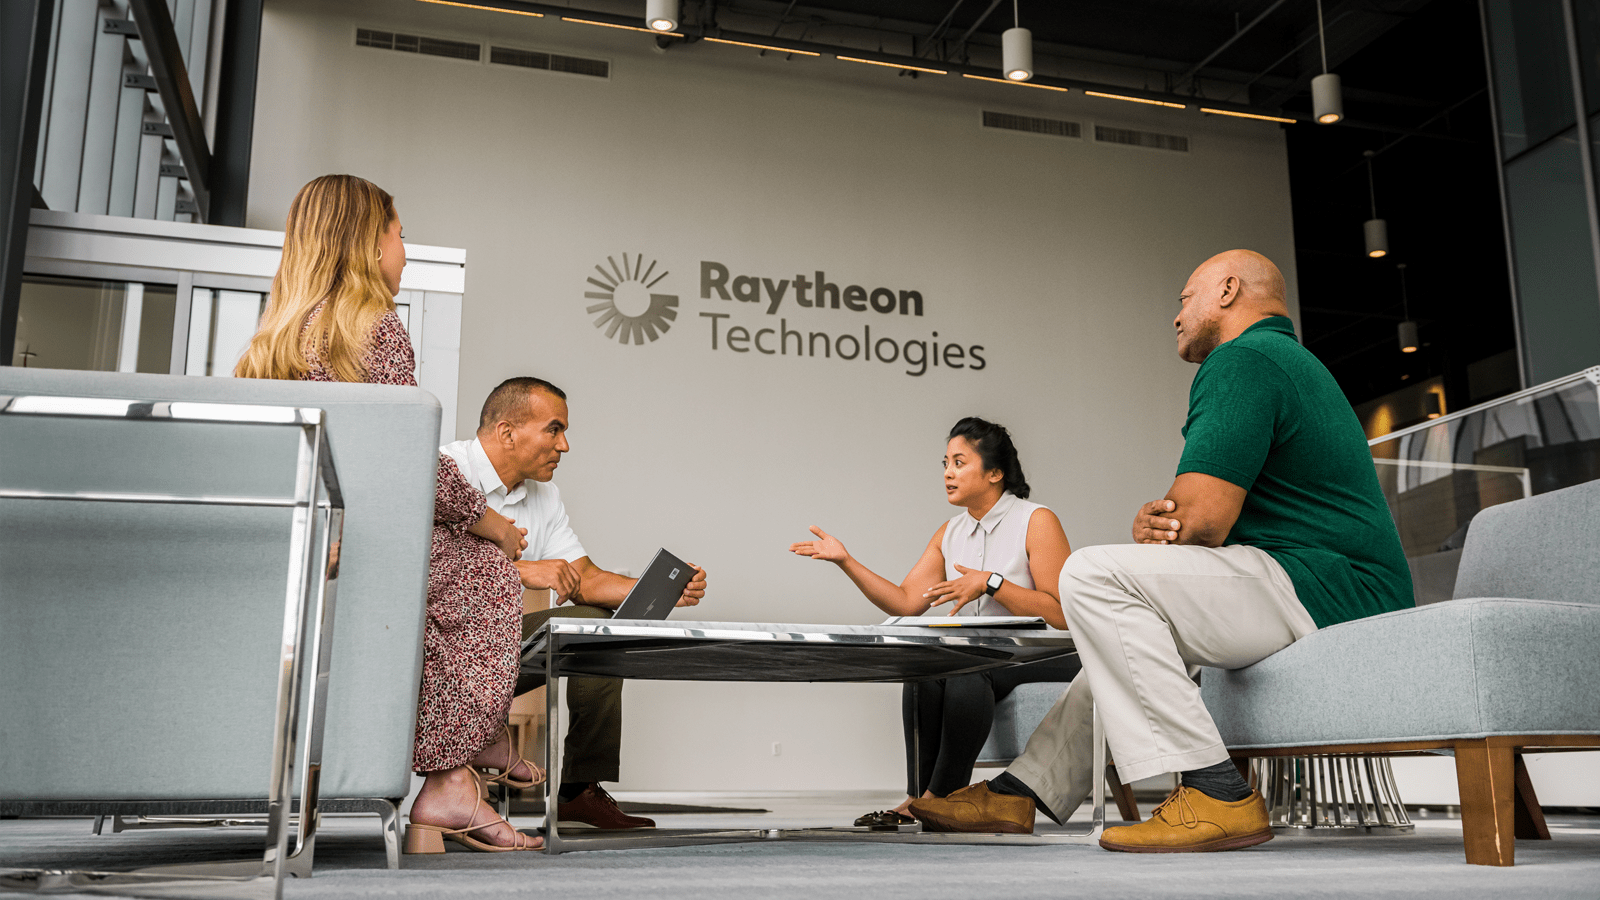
[756,651]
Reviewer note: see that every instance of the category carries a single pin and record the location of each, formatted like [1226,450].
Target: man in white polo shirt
[522,433]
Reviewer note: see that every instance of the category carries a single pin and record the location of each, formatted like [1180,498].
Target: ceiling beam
[1186,77]
[1360,25]
[691,32]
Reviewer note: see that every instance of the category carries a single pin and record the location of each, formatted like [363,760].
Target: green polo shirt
[1266,415]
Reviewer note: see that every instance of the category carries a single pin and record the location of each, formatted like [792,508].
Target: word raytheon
[812,294]
[916,354]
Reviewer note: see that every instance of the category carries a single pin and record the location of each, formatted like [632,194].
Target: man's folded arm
[1207,506]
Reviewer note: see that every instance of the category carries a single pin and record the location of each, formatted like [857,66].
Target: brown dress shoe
[1189,821]
[597,808]
[975,808]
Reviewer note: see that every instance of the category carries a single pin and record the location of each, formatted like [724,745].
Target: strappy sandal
[503,776]
[884,818]
[422,838]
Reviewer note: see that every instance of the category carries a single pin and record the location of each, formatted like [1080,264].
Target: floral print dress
[471,643]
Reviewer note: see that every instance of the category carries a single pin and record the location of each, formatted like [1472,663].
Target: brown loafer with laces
[596,808]
[975,809]
[1189,821]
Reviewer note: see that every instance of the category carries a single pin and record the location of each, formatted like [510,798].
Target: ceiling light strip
[623,27]
[1048,87]
[761,46]
[890,65]
[1145,100]
[1245,115]
[514,12]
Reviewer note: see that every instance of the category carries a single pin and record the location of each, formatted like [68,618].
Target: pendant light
[1431,406]
[1016,49]
[1327,100]
[1408,328]
[1375,230]
[661,15]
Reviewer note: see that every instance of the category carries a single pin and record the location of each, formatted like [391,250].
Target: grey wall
[1061,258]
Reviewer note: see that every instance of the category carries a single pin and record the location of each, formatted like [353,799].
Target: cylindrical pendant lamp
[1327,100]
[1016,53]
[1431,406]
[661,15]
[1377,234]
[1408,336]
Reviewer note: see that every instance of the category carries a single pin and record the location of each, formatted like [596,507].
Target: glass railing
[1439,474]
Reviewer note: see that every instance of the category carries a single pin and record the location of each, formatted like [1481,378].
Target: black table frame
[788,653]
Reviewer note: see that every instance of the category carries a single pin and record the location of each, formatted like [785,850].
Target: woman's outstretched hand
[959,591]
[826,547]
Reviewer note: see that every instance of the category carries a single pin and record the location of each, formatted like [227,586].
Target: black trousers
[955,715]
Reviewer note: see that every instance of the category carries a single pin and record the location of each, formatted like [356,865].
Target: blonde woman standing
[331,317]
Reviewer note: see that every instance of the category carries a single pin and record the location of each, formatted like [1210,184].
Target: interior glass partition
[1436,476]
[105,326]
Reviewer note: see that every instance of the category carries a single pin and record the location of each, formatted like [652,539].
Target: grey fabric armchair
[139,642]
[1505,666]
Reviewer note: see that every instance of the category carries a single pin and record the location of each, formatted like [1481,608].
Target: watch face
[995,580]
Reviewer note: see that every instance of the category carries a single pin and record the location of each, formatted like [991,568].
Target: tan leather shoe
[975,808]
[1191,822]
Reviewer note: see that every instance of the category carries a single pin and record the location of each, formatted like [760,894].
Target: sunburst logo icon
[628,308]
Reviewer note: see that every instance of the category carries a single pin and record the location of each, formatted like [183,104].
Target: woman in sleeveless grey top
[1001,556]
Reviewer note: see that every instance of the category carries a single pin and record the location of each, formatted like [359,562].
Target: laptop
[654,595]
[656,592]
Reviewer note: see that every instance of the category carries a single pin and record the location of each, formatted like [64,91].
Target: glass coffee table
[760,652]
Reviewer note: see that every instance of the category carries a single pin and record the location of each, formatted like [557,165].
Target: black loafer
[886,819]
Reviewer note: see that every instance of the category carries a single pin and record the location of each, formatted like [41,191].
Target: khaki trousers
[594,708]
[1143,617]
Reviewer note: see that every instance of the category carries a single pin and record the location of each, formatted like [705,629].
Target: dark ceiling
[1414,92]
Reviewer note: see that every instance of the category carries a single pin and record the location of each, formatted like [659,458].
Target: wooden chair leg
[1486,776]
[1530,824]
[1126,806]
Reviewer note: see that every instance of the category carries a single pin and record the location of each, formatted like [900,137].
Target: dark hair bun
[993,443]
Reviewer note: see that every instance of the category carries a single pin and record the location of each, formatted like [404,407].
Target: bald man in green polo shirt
[1274,527]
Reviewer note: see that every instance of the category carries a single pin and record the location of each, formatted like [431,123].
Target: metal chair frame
[308,613]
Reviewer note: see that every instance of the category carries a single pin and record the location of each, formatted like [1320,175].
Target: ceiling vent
[550,62]
[411,43]
[1032,124]
[1132,138]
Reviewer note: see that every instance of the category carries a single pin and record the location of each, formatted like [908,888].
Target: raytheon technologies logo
[800,316]
[629,309]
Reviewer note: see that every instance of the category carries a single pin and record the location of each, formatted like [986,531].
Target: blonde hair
[330,253]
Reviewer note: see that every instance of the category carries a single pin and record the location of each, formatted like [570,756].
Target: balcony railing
[1439,474]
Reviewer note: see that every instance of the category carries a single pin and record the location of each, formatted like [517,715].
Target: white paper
[967,621]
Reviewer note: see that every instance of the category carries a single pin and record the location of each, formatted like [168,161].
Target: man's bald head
[1227,294]
[1260,282]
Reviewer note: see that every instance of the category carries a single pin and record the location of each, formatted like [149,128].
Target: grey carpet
[350,865]
[633,808]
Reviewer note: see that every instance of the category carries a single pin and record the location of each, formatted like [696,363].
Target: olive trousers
[594,708]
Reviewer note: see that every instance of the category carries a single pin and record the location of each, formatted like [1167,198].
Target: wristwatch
[993,584]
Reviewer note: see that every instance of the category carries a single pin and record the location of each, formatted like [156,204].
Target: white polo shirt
[533,505]
[996,543]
